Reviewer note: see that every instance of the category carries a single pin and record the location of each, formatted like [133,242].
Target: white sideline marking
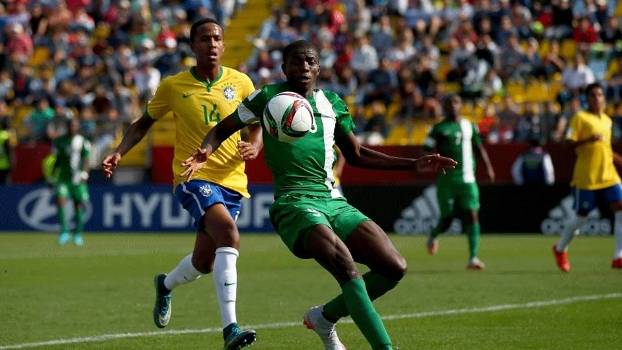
[493,308]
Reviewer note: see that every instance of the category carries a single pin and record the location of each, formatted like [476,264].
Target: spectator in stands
[585,33]
[513,61]
[381,83]
[611,32]
[534,167]
[552,61]
[577,75]
[364,56]
[563,18]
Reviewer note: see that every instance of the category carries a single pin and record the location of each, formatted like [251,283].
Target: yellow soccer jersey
[594,168]
[197,105]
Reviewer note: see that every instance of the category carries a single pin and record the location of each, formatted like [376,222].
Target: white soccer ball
[288,116]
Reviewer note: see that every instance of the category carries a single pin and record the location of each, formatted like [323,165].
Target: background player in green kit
[457,192]
[312,220]
[70,172]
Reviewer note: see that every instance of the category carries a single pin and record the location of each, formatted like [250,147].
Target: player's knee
[202,264]
[397,269]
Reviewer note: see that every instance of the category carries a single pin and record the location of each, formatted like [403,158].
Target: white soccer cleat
[476,264]
[324,328]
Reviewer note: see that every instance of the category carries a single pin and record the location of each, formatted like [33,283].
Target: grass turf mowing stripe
[493,308]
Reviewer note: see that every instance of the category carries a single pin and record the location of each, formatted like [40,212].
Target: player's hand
[84,176]
[596,137]
[247,150]
[434,163]
[194,163]
[110,163]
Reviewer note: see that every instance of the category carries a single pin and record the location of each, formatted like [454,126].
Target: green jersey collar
[208,84]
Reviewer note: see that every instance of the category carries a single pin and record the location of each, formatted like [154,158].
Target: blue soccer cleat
[78,240]
[64,238]
[240,338]
[162,307]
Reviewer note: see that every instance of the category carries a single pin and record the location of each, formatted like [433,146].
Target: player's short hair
[197,24]
[592,86]
[295,46]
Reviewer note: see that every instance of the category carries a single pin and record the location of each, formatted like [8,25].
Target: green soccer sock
[79,219]
[364,315]
[376,285]
[62,219]
[472,231]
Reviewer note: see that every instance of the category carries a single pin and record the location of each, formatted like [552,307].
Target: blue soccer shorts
[196,196]
[586,200]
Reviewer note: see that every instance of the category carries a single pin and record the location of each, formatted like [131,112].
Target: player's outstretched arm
[215,137]
[137,130]
[363,157]
[489,169]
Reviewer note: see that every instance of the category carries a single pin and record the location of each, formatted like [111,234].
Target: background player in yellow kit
[595,179]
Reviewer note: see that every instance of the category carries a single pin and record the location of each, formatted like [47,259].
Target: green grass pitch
[100,296]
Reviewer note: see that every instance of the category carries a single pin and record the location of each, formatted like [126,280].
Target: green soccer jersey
[456,139]
[71,153]
[306,165]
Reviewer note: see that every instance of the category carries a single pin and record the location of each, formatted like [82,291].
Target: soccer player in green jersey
[457,192]
[71,171]
[312,220]
[198,98]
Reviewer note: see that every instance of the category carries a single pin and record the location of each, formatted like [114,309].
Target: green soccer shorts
[293,216]
[79,193]
[455,197]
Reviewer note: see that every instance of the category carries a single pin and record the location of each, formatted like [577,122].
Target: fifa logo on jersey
[229,93]
[205,190]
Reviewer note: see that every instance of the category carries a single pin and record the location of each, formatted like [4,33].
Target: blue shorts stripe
[194,197]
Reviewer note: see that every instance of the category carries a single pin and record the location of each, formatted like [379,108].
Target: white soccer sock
[571,230]
[225,280]
[183,273]
[617,230]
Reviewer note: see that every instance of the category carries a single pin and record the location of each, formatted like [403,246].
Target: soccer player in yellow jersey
[595,179]
[199,99]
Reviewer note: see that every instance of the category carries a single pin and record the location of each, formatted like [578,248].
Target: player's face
[452,106]
[596,99]
[208,45]
[301,69]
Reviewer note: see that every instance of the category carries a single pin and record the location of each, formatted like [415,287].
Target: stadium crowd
[519,64]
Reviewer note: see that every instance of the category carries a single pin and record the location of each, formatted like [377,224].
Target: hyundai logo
[37,209]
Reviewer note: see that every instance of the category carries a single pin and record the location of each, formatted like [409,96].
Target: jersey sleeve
[572,134]
[431,141]
[477,138]
[159,104]
[251,108]
[345,123]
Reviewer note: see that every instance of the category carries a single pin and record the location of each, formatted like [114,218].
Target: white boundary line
[493,308]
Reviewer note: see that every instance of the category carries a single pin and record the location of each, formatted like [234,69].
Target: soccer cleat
[616,263]
[240,338]
[64,238]
[561,258]
[314,320]
[162,307]
[475,264]
[78,240]
[432,245]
